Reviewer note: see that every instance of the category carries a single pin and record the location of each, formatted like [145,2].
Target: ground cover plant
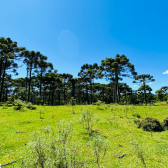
[115,142]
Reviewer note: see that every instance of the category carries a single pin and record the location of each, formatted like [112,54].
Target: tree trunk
[87,99]
[26,85]
[64,92]
[91,90]
[29,82]
[49,95]
[40,84]
[116,88]
[1,61]
[3,77]
[145,94]
[52,98]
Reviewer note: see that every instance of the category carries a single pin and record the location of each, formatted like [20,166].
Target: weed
[99,148]
[64,131]
[126,109]
[88,121]
[50,150]
[140,154]
[41,112]
[113,109]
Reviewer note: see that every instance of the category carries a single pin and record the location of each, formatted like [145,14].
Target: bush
[20,105]
[138,123]
[99,147]
[88,121]
[99,104]
[49,149]
[30,106]
[151,124]
[17,107]
[165,123]
[136,115]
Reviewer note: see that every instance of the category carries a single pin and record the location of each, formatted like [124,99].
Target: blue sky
[74,32]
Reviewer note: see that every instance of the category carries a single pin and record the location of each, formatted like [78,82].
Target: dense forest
[43,84]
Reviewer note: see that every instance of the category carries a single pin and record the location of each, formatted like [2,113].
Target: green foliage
[100,148]
[136,115]
[64,131]
[88,121]
[99,104]
[138,123]
[20,105]
[165,123]
[126,109]
[149,124]
[49,149]
[30,106]
[5,105]
[72,101]
[17,107]
[41,112]
[140,153]
[16,132]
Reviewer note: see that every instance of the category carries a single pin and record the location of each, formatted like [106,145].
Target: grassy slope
[117,126]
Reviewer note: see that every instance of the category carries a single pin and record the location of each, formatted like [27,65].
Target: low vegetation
[55,137]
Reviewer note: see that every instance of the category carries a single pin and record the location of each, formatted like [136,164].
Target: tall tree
[31,61]
[65,78]
[144,79]
[114,69]
[89,72]
[43,66]
[9,53]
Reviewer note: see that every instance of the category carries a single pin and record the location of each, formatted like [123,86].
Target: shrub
[151,124]
[20,105]
[30,106]
[138,123]
[5,106]
[41,112]
[49,149]
[88,121]
[99,147]
[136,115]
[17,107]
[99,104]
[33,107]
[165,123]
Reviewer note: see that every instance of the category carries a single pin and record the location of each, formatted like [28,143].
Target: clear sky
[74,32]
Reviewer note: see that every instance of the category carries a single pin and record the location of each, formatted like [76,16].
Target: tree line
[43,84]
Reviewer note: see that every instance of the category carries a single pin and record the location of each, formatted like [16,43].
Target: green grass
[117,126]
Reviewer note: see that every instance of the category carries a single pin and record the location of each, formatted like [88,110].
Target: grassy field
[126,142]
